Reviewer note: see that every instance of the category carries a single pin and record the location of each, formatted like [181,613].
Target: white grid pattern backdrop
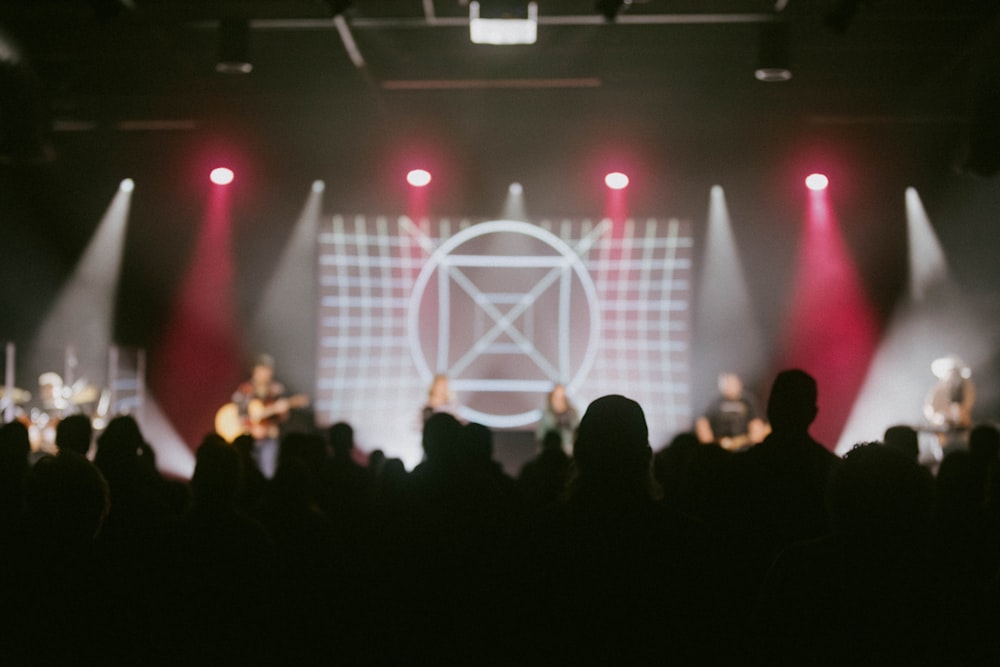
[368,370]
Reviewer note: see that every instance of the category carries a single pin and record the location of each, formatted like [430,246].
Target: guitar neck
[260,410]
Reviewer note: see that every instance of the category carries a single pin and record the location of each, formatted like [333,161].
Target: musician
[261,389]
[559,415]
[439,399]
[52,405]
[734,420]
[262,407]
[948,406]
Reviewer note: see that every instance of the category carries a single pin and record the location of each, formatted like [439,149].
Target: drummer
[51,406]
[53,395]
[55,402]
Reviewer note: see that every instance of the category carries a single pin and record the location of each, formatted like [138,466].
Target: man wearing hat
[948,406]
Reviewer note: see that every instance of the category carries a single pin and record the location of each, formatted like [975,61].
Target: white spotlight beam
[83,314]
[172,455]
[278,325]
[928,266]
[513,207]
[934,320]
[727,331]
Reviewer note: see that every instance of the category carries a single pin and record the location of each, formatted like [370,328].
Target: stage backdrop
[505,309]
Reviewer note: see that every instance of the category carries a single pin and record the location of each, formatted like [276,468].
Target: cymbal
[86,394]
[19,395]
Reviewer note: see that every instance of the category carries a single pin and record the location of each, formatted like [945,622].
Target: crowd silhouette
[616,554]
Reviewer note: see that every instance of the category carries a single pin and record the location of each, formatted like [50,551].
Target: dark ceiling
[664,69]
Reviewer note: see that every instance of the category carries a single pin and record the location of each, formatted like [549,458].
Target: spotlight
[318,186]
[772,53]
[515,189]
[616,180]
[234,47]
[817,182]
[418,178]
[506,22]
[127,185]
[222,176]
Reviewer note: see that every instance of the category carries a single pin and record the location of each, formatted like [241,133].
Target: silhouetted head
[341,437]
[293,483]
[792,403]
[878,493]
[670,463]
[479,442]
[119,449]
[217,472]
[122,429]
[74,434]
[66,500]
[376,458]
[612,445]
[552,440]
[984,442]
[442,433]
[15,445]
[904,440]
[308,448]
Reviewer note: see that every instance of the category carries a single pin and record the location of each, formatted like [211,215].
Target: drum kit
[55,401]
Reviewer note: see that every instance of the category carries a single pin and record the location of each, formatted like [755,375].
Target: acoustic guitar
[259,421]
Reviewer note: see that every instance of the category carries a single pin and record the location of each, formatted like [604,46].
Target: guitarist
[262,407]
[258,400]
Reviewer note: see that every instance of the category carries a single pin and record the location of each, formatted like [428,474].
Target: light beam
[199,361]
[82,317]
[831,330]
[284,324]
[728,337]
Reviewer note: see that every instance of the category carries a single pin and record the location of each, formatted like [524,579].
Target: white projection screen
[505,309]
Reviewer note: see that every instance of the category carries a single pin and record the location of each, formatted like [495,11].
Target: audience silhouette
[783,479]
[74,433]
[781,554]
[543,478]
[865,593]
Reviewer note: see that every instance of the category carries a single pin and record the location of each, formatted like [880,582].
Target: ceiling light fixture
[772,53]
[506,28]
[234,47]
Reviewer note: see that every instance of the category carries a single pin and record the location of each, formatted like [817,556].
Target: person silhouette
[620,578]
[783,479]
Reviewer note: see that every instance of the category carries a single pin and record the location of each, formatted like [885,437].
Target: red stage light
[222,176]
[616,180]
[817,182]
[418,178]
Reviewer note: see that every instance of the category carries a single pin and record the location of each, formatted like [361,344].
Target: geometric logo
[505,309]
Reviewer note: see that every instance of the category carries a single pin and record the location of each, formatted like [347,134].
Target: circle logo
[505,309]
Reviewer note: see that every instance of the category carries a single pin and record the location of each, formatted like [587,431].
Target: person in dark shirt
[734,419]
